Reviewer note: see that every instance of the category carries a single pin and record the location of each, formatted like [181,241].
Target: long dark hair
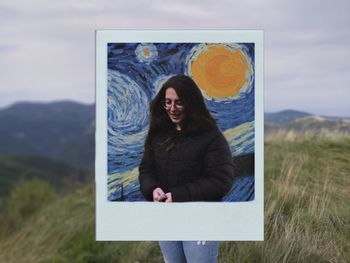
[197,118]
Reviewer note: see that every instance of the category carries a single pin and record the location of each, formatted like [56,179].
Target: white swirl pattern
[127,120]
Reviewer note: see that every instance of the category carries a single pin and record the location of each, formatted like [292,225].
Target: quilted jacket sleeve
[217,177]
[147,178]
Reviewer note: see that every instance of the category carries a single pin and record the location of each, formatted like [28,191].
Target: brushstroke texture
[136,71]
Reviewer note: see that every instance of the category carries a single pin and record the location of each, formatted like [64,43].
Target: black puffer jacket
[192,168]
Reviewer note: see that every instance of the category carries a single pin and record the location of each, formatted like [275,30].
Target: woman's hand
[169,198]
[159,195]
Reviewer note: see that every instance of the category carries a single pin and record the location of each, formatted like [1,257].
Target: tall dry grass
[307,216]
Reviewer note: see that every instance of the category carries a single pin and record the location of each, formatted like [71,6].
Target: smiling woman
[186,156]
[174,107]
[186,159]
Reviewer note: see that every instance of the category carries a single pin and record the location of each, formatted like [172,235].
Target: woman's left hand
[169,198]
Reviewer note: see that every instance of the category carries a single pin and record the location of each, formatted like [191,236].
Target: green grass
[17,168]
[62,230]
[307,215]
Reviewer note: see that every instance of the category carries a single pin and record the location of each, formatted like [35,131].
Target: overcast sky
[47,47]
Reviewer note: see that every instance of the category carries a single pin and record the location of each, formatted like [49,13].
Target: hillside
[59,130]
[16,168]
[307,216]
[307,126]
[63,231]
[285,116]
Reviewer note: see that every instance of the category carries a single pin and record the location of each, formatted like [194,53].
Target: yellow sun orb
[146,52]
[220,71]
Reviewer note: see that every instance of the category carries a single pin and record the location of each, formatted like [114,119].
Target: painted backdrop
[225,74]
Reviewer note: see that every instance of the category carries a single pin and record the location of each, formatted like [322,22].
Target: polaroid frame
[136,221]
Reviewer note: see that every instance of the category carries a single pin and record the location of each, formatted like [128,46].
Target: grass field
[307,215]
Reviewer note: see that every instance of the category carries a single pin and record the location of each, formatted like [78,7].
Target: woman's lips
[175,116]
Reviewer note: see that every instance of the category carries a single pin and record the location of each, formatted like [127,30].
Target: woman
[186,159]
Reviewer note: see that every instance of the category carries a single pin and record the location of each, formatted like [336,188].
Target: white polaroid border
[177,221]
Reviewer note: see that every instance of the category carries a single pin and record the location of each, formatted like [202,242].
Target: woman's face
[174,106]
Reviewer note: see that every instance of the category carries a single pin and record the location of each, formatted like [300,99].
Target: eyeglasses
[167,104]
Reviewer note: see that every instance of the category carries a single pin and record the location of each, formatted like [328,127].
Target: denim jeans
[189,251]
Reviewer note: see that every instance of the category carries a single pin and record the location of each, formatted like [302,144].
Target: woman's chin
[176,121]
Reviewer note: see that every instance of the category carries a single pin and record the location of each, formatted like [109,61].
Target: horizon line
[47,102]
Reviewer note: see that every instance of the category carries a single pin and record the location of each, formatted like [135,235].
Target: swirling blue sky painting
[136,71]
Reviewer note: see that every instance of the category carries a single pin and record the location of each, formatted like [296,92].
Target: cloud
[180,9]
[47,48]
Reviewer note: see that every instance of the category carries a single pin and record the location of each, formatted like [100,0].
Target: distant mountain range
[65,131]
[55,142]
[285,116]
[292,124]
[62,131]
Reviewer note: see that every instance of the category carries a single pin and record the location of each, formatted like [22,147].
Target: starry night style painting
[136,71]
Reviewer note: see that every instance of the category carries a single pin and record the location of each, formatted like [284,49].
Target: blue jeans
[189,251]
